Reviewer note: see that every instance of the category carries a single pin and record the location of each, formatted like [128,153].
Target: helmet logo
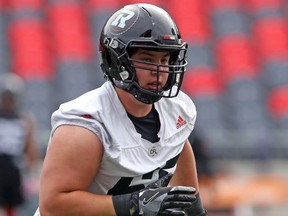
[122,18]
[123,21]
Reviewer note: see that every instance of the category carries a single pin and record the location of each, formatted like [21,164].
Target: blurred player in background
[17,144]
[123,149]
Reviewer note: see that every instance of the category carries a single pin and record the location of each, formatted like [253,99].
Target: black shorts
[11,193]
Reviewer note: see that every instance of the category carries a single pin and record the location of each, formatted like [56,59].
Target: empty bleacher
[71,45]
[30,56]
[243,44]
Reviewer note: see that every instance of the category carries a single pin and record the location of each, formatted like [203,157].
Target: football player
[122,149]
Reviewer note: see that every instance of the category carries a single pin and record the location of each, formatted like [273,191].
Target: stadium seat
[99,12]
[227,18]
[223,4]
[245,89]
[192,19]
[4,54]
[264,9]
[275,73]
[69,31]
[202,81]
[200,55]
[256,5]
[270,36]
[156,2]
[112,5]
[229,22]
[2,4]
[72,73]
[30,57]
[102,5]
[245,100]
[39,99]
[205,89]
[25,4]
[278,102]
[30,54]
[235,56]
[211,122]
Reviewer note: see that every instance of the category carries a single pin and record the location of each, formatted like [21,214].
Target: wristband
[124,204]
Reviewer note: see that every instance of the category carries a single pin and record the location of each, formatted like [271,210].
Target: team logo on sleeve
[123,21]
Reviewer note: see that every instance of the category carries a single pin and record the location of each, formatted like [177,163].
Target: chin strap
[144,97]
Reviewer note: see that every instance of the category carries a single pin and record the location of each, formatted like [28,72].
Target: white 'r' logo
[122,18]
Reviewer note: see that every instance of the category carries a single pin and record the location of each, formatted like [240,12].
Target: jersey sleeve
[77,113]
[190,107]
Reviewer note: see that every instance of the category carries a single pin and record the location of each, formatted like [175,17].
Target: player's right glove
[155,201]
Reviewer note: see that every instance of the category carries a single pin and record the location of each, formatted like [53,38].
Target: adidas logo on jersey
[180,122]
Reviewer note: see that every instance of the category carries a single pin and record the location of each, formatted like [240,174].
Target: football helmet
[147,27]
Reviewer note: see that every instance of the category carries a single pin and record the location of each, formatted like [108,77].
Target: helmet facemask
[175,70]
[127,67]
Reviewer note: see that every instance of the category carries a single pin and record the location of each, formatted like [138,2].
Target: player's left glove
[155,201]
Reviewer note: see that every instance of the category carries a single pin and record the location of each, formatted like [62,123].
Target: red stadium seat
[256,5]
[155,2]
[191,18]
[70,31]
[202,81]
[2,4]
[98,5]
[29,49]
[223,4]
[278,102]
[271,38]
[23,4]
[235,57]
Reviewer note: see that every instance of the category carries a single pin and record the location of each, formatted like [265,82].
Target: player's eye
[165,61]
[147,59]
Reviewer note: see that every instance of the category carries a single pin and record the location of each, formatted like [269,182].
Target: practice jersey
[129,162]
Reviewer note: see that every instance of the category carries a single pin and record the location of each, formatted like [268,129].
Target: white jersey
[129,162]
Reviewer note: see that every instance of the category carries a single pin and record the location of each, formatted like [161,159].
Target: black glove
[155,201]
[166,200]
[196,209]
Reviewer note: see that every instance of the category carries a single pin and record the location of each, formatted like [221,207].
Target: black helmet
[147,27]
